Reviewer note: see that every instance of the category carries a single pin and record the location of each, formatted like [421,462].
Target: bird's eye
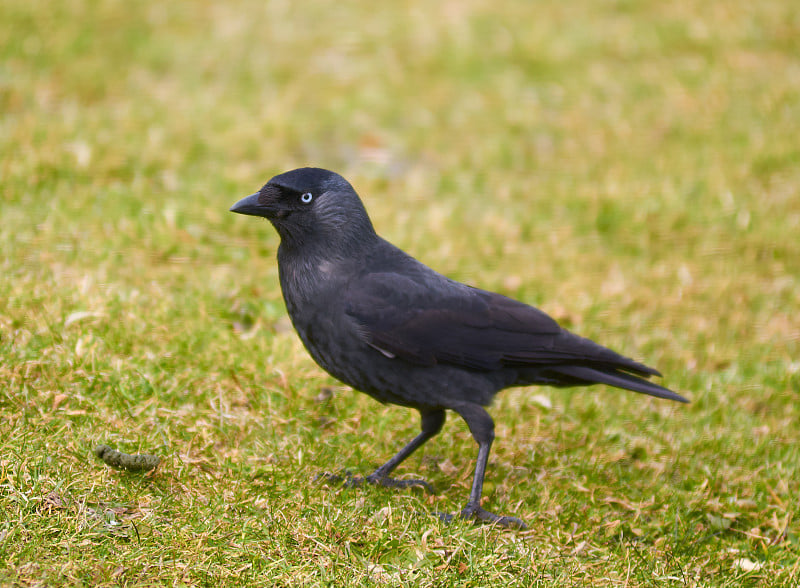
[306,198]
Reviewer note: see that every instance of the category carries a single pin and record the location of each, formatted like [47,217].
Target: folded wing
[434,320]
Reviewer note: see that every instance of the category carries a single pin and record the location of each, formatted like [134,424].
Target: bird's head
[310,206]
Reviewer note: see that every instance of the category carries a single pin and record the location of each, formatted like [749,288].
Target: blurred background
[633,168]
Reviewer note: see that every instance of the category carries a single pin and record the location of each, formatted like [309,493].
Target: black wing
[434,320]
[448,322]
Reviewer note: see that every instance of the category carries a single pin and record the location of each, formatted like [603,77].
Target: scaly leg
[481,426]
[432,422]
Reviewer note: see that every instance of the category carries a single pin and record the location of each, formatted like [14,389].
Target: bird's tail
[618,379]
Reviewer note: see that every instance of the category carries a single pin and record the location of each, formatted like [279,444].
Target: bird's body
[337,295]
[387,325]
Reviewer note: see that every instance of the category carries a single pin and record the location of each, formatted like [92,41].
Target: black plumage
[387,325]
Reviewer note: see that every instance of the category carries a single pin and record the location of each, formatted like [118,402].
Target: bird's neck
[345,242]
[310,270]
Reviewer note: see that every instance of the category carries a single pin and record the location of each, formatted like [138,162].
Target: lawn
[632,168]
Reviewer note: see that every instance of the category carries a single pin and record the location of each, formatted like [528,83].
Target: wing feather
[447,322]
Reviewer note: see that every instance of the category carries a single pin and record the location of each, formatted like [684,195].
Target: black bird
[387,325]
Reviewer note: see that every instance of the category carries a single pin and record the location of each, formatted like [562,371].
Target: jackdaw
[380,321]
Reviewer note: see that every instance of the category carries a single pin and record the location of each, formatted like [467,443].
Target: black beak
[250,206]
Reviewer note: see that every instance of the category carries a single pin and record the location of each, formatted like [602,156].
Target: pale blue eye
[306,198]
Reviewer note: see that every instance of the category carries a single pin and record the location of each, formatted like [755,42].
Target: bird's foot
[475,512]
[388,482]
[351,481]
[348,479]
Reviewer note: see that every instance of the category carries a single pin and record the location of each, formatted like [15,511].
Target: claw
[474,511]
[351,481]
[333,478]
[445,517]
[388,482]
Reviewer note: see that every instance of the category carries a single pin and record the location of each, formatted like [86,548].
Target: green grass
[631,167]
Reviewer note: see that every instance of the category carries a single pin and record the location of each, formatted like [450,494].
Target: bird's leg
[481,426]
[431,424]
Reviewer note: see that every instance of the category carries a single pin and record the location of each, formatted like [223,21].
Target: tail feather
[618,379]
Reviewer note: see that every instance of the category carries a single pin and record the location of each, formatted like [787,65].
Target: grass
[631,167]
